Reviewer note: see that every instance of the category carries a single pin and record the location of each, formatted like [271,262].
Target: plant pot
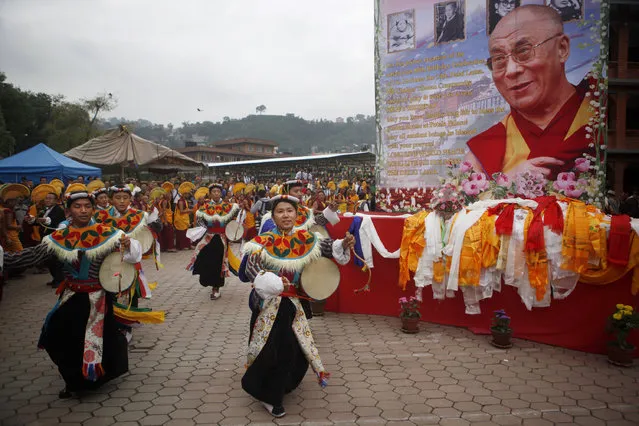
[410,325]
[501,340]
[317,307]
[619,356]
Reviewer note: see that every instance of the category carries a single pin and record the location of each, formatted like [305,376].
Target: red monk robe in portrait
[515,139]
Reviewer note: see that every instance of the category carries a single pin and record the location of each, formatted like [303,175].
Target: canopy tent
[41,161]
[121,147]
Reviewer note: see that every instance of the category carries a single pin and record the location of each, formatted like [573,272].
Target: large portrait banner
[503,87]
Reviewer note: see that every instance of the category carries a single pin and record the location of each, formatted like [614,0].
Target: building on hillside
[623,88]
[238,149]
[339,120]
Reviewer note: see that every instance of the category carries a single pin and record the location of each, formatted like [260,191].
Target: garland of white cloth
[369,238]
[442,238]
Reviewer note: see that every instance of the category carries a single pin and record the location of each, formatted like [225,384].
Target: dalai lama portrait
[545,130]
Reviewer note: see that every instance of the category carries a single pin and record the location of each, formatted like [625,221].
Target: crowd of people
[74,230]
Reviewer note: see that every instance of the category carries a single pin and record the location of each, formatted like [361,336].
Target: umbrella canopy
[120,146]
[41,161]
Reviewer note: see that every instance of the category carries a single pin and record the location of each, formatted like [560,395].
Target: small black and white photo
[570,10]
[449,21]
[497,9]
[401,31]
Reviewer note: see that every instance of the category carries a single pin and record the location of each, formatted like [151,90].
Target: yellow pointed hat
[14,190]
[95,185]
[185,187]
[168,186]
[40,192]
[157,193]
[202,192]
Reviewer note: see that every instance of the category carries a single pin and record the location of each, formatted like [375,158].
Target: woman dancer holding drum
[281,345]
[80,333]
[210,259]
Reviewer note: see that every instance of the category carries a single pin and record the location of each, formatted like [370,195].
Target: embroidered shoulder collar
[285,252]
[94,240]
[222,212]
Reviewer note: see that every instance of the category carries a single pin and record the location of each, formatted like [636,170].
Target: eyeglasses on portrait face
[520,54]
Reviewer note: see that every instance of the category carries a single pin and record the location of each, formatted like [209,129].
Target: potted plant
[620,323]
[501,330]
[409,314]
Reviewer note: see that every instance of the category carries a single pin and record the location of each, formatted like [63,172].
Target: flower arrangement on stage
[501,322]
[447,201]
[409,308]
[620,323]
[409,314]
[403,199]
[501,330]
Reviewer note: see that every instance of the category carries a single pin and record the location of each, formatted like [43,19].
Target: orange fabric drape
[412,246]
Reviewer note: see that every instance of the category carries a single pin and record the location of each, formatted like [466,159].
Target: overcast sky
[163,59]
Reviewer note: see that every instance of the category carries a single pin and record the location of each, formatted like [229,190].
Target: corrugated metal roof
[289,159]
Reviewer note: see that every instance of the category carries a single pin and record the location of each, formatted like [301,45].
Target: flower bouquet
[501,330]
[409,314]
[620,323]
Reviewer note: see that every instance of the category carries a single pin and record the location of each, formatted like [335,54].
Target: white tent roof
[287,159]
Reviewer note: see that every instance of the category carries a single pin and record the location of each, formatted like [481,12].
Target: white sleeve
[268,285]
[134,254]
[339,254]
[330,215]
[47,221]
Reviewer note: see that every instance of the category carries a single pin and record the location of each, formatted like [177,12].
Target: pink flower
[470,188]
[403,300]
[502,180]
[480,180]
[582,164]
[573,191]
[466,167]
[564,180]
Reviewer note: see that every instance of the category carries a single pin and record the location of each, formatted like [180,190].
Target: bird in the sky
[200,110]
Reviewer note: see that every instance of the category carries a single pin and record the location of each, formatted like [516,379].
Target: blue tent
[41,161]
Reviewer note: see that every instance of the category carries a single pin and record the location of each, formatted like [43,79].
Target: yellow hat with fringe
[94,185]
[186,187]
[40,192]
[157,193]
[14,190]
[202,192]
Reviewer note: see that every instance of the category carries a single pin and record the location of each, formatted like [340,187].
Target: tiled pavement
[187,371]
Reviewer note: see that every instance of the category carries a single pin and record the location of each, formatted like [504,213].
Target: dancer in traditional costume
[281,345]
[209,259]
[305,217]
[80,333]
[133,223]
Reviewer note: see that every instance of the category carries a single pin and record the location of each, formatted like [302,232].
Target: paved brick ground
[187,371]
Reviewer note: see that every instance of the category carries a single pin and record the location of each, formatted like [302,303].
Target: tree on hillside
[103,102]
[260,109]
[68,126]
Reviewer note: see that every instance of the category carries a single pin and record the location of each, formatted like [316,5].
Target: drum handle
[364,268]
